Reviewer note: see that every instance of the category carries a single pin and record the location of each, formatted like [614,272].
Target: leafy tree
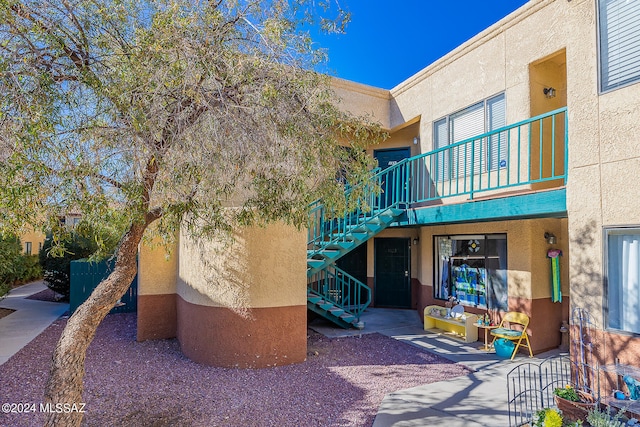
[81,242]
[177,113]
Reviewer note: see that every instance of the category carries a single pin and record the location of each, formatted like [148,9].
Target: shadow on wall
[214,273]
[586,284]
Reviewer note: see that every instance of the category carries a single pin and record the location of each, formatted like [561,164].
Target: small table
[486,328]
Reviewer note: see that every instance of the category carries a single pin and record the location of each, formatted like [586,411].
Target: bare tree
[195,114]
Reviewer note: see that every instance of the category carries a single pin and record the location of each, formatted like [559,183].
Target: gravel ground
[46,295]
[5,312]
[151,383]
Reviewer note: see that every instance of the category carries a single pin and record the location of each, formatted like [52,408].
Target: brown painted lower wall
[262,337]
[606,348]
[156,317]
[545,320]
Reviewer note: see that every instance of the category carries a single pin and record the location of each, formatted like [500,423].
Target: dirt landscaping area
[151,383]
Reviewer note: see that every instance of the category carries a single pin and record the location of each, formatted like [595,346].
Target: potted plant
[574,404]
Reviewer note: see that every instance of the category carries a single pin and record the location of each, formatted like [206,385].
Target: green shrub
[57,269]
[4,289]
[16,268]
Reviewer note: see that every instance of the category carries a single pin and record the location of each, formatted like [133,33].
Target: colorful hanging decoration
[556,288]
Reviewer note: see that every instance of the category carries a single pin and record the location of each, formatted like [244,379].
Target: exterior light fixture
[416,240]
[549,92]
[416,140]
[551,239]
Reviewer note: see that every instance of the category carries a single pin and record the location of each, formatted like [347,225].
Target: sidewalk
[28,321]
[474,400]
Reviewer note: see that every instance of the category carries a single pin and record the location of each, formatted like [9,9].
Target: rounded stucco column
[244,304]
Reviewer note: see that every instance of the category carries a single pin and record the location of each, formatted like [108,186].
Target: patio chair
[519,334]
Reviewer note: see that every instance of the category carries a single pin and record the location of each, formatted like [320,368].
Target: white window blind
[619,42]
[488,153]
[496,116]
[466,124]
[441,139]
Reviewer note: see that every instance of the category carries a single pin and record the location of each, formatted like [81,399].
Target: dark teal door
[392,273]
[354,263]
[394,181]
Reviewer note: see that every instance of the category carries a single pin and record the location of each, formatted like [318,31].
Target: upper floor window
[479,155]
[619,38]
[622,251]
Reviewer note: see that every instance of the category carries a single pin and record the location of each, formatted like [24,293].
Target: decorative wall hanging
[556,288]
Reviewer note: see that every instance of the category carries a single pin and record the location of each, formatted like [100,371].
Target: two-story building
[509,181]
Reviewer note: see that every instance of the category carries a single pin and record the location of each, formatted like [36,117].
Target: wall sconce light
[416,240]
[549,92]
[416,140]
[551,239]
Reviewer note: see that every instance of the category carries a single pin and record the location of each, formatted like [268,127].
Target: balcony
[515,172]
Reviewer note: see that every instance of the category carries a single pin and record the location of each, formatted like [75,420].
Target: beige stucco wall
[364,100]
[157,269]
[35,237]
[263,267]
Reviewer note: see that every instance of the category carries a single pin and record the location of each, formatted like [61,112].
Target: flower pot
[574,411]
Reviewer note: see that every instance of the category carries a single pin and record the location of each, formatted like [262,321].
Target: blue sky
[388,41]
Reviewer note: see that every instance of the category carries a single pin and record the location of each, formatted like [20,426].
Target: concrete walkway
[28,321]
[477,399]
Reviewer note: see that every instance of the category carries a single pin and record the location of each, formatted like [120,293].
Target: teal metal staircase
[517,156]
[331,292]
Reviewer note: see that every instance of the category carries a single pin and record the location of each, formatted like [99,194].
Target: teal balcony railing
[531,154]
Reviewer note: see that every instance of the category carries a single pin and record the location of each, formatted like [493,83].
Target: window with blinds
[619,30]
[476,155]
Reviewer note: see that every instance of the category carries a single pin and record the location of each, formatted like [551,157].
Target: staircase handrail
[341,289]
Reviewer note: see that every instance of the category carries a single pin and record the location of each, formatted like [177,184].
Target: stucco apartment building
[511,170]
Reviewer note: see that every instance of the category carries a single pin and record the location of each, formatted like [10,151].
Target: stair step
[349,318]
[382,220]
[315,263]
[336,311]
[326,305]
[394,212]
[339,245]
[373,227]
[314,299]
[325,253]
[359,236]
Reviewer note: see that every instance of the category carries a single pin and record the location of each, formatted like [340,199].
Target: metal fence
[530,387]
[85,277]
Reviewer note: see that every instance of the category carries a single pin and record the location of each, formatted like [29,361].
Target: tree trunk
[65,384]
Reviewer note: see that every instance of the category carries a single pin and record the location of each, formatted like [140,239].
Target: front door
[392,273]
[392,182]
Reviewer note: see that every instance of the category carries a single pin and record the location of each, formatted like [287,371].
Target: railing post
[471,183]
[566,146]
